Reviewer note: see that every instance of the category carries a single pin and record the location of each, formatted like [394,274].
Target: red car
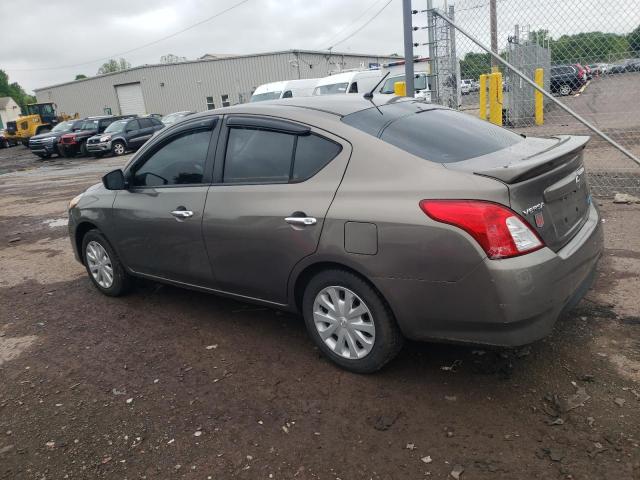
[582,72]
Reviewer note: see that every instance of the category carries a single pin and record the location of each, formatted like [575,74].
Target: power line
[348,26]
[361,27]
[197,24]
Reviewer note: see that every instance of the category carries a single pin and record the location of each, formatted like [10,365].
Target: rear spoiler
[567,150]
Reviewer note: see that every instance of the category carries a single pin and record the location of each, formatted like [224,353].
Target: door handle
[182,214]
[301,221]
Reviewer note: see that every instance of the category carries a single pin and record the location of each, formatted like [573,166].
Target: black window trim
[258,122]
[212,124]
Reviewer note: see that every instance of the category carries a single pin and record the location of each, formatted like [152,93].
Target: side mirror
[114,180]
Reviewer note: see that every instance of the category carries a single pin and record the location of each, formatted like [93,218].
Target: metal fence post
[408,46]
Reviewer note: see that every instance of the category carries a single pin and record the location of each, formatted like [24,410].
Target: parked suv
[75,142]
[46,144]
[565,79]
[123,135]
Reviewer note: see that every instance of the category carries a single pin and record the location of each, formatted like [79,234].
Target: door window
[353,88]
[261,156]
[179,161]
[133,125]
[145,123]
[287,94]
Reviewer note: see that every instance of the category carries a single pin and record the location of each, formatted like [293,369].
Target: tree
[14,90]
[114,66]
[475,64]
[589,47]
[634,40]
[80,76]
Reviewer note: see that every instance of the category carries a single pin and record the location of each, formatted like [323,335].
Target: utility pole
[407,20]
[493,19]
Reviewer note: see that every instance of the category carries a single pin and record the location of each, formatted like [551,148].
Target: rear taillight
[501,232]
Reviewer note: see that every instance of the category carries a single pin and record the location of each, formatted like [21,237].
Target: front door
[266,210]
[159,217]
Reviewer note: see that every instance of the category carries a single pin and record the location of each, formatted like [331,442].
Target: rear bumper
[506,302]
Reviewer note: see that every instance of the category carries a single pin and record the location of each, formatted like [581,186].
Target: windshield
[434,134]
[419,83]
[117,126]
[331,89]
[88,125]
[63,127]
[261,97]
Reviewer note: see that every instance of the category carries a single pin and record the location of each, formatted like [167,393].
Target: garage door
[130,99]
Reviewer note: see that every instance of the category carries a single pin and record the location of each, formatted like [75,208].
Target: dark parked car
[633,65]
[175,117]
[46,144]
[377,220]
[123,135]
[566,79]
[3,141]
[75,142]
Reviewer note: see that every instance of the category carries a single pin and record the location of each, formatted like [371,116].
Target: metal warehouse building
[208,83]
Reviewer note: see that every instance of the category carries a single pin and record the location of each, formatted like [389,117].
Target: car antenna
[369,95]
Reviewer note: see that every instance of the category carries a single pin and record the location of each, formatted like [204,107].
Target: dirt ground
[169,383]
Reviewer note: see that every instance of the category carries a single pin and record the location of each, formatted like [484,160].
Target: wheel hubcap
[119,149]
[99,264]
[344,322]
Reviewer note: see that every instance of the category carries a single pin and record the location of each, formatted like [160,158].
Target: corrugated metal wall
[186,86]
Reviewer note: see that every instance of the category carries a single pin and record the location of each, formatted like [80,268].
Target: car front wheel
[350,321]
[118,148]
[565,90]
[103,266]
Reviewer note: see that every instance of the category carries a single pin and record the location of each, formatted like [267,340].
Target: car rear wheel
[565,90]
[118,148]
[103,266]
[350,322]
[83,149]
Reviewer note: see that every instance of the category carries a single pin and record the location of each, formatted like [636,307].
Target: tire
[363,352]
[564,90]
[118,148]
[44,156]
[83,149]
[94,248]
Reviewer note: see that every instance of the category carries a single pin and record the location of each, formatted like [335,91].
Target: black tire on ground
[122,281]
[118,148]
[44,156]
[83,149]
[388,338]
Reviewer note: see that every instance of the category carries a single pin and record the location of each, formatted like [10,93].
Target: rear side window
[262,156]
[437,135]
[179,161]
[145,123]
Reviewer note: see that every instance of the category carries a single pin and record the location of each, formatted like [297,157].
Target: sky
[45,43]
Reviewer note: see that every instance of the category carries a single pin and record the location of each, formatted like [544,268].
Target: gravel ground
[168,383]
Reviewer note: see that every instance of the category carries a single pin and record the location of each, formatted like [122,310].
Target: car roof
[338,105]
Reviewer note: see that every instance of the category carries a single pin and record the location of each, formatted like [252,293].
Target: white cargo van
[284,89]
[396,74]
[360,81]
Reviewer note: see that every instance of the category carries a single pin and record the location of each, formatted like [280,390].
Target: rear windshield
[435,134]
[261,97]
[331,89]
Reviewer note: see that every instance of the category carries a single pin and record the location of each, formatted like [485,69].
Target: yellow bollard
[539,104]
[400,89]
[495,95]
[483,96]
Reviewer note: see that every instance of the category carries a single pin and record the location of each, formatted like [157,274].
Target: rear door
[274,182]
[158,218]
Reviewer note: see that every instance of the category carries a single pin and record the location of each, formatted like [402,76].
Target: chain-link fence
[589,55]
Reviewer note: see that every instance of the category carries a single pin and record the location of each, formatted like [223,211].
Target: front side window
[353,88]
[63,127]
[261,97]
[261,156]
[116,126]
[181,160]
[287,94]
[133,125]
[88,125]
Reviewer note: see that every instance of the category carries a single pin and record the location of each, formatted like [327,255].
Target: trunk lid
[546,181]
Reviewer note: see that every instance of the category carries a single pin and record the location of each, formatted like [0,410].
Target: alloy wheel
[99,264]
[118,149]
[344,322]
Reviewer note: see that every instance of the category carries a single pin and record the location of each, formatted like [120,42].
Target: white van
[284,89]
[396,74]
[360,81]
